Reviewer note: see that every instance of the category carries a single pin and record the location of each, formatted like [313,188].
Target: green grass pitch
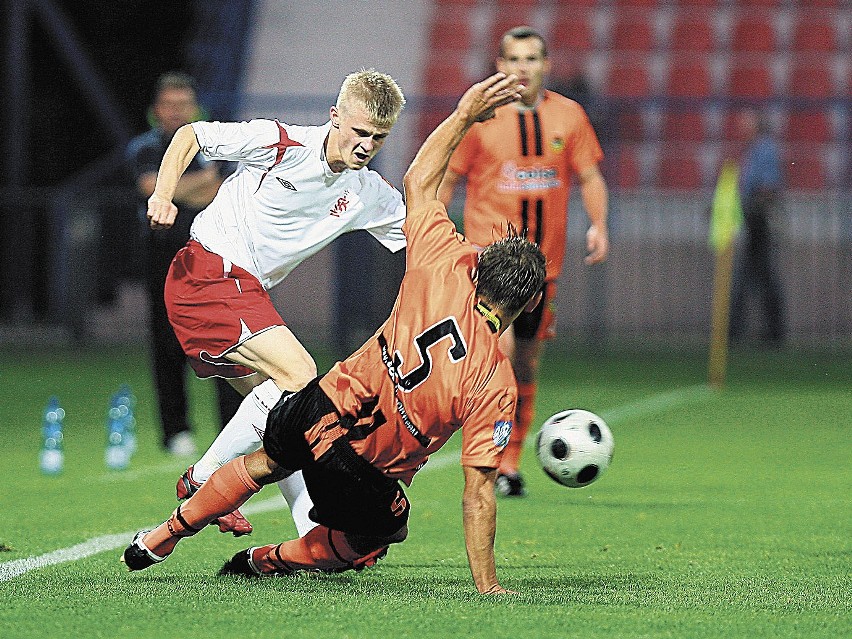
[723,514]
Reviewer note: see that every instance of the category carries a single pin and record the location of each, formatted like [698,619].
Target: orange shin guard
[320,549]
[226,490]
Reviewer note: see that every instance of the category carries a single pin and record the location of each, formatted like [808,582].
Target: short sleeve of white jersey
[247,142]
[387,215]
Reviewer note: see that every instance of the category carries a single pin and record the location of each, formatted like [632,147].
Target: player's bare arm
[477,104]
[448,186]
[196,188]
[596,202]
[183,147]
[479,513]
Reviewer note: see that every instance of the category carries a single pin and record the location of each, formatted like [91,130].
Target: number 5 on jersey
[445,329]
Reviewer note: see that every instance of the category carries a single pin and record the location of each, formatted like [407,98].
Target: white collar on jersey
[329,174]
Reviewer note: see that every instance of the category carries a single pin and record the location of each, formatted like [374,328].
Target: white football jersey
[283,203]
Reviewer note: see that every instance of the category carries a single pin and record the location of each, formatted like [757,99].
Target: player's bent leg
[320,550]
[277,354]
[225,491]
[284,366]
[241,435]
[527,355]
[234,522]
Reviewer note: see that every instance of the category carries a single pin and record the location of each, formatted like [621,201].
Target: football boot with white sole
[137,556]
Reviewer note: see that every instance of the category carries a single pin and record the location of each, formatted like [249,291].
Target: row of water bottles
[121,429]
[120,433]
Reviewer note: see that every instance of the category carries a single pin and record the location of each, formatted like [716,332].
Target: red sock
[523,418]
[226,490]
[320,549]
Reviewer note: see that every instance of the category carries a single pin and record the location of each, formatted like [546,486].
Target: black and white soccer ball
[574,447]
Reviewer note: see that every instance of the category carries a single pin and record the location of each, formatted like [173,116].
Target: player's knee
[305,370]
[399,536]
[295,375]
[263,469]
[364,545]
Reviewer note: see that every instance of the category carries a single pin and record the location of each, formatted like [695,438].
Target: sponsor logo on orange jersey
[528,178]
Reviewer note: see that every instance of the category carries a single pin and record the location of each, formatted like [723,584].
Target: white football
[574,447]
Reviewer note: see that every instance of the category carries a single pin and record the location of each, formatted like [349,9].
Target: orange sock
[320,549]
[523,418]
[226,490]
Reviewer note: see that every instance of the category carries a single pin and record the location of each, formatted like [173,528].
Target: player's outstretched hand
[479,101]
[161,212]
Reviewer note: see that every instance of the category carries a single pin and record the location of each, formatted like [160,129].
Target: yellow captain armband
[492,319]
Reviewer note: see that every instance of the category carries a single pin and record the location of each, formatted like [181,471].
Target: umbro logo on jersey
[287,184]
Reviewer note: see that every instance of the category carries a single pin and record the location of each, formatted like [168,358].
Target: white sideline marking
[656,403]
[11,569]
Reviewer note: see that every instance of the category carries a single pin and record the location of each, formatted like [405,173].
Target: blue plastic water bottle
[126,402]
[117,455]
[52,457]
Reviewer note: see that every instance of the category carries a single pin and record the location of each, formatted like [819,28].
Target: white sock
[294,491]
[243,434]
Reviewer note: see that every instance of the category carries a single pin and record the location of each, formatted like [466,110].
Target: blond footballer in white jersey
[296,189]
[284,203]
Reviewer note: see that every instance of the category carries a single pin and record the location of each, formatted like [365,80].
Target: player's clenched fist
[161,212]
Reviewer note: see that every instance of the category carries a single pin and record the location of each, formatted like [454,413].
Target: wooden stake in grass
[720,316]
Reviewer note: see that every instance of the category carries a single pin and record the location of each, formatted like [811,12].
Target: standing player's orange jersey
[432,368]
[518,167]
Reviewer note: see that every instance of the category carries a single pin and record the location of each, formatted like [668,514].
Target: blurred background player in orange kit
[518,168]
[365,428]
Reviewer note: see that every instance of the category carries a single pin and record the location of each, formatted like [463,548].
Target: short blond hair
[377,92]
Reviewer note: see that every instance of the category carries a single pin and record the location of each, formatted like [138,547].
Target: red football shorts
[214,306]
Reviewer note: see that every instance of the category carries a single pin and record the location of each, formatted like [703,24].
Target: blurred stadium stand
[666,78]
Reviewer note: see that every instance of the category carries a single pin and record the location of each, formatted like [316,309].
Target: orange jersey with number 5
[433,367]
[518,167]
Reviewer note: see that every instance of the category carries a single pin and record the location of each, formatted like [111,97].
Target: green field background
[724,514]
